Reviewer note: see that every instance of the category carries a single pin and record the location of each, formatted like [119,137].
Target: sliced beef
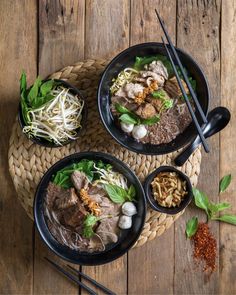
[172,87]
[73,216]
[96,244]
[108,230]
[157,103]
[66,200]
[122,101]
[80,180]
[107,207]
[53,192]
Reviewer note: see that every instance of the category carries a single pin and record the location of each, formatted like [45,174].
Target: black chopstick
[95,283]
[199,130]
[71,277]
[198,106]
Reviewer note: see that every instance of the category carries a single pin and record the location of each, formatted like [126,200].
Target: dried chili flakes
[205,247]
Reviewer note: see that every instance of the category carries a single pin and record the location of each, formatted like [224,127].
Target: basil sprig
[129,117]
[119,195]
[224,183]
[191,227]
[88,224]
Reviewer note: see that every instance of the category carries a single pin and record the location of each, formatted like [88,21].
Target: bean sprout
[125,76]
[58,119]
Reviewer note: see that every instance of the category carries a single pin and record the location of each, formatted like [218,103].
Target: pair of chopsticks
[191,91]
[74,277]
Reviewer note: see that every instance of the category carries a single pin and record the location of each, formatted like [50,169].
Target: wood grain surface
[43,36]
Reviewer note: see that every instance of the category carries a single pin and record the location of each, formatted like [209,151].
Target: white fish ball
[126,127]
[125,222]
[129,209]
[139,131]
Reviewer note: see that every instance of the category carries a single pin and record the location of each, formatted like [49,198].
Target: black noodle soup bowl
[127,238]
[80,131]
[126,59]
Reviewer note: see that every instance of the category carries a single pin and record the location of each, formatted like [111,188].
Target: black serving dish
[80,131]
[153,203]
[128,237]
[127,58]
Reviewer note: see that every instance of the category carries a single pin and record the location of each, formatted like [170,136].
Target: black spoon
[217,120]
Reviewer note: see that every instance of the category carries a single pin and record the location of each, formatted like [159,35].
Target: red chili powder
[205,248]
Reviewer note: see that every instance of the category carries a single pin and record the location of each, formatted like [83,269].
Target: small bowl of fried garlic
[168,190]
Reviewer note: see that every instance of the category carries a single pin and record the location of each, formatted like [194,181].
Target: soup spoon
[217,120]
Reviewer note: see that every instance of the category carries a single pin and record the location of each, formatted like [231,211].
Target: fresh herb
[63,176]
[158,94]
[191,227]
[129,117]
[226,218]
[212,209]
[118,194]
[224,183]
[88,224]
[167,104]
[151,121]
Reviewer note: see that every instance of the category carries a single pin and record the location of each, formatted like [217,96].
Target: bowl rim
[37,212]
[192,137]
[83,120]
[154,205]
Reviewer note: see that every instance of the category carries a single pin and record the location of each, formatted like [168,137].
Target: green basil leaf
[131,194]
[128,119]
[201,200]
[214,208]
[191,227]
[33,93]
[224,183]
[23,83]
[227,218]
[116,193]
[158,94]
[121,109]
[46,87]
[151,121]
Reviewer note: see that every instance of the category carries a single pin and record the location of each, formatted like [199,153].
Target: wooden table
[43,36]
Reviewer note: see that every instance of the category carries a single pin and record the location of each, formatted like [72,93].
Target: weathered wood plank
[18,49]
[61,34]
[107,27]
[107,33]
[144,24]
[227,144]
[198,33]
[151,267]
[61,43]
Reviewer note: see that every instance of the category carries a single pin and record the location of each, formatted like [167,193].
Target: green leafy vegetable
[140,62]
[224,183]
[119,195]
[191,227]
[151,121]
[158,94]
[131,193]
[168,104]
[121,109]
[214,208]
[46,87]
[33,93]
[201,200]
[63,176]
[128,119]
[23,83]
[116,193]
[227,218]
[88,224]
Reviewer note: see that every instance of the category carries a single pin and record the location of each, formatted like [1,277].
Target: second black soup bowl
[126,59]
[128,237]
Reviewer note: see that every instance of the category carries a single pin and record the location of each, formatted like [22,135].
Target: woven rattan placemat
[28,161]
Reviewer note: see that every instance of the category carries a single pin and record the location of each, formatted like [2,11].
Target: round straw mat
[28,161]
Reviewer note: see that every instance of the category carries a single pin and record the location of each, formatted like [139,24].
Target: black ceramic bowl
[45,142]
[153,203]
[128,237]
[127,58]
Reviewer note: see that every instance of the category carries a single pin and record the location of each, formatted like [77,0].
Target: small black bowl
[153,203]
[45,142]
[126,59]
[128,237]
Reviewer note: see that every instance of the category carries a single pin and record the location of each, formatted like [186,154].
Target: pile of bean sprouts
[57,120]
[125,76]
